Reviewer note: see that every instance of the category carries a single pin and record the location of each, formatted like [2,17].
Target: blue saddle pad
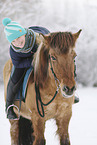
[21,95]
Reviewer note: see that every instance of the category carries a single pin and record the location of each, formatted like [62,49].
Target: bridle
[57,82]
[38,96]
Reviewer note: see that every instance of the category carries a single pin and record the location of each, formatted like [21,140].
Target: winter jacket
[23,60]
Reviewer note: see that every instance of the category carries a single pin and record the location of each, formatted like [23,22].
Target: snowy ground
[83,125]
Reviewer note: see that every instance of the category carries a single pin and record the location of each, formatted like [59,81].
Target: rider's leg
[12,89]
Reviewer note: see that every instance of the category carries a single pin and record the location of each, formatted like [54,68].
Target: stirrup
[16,108]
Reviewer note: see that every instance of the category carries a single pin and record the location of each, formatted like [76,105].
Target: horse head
[57,48]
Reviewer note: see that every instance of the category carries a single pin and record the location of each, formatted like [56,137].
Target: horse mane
[41,64]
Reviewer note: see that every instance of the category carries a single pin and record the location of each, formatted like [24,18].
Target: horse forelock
[62,41]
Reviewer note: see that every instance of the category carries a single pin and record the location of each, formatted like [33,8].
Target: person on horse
[22,48]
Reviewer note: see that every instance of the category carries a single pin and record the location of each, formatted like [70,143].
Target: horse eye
[53,58]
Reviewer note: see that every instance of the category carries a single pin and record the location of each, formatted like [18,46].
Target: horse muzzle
[68,92]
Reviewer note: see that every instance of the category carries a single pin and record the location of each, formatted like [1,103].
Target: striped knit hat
[12,29]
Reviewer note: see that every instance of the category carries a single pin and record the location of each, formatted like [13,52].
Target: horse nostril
[73,88]
[65,89]
[69,91]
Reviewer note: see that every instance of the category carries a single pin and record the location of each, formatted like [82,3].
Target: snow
[4,123]
[63,15]
[83,124]
[70,15]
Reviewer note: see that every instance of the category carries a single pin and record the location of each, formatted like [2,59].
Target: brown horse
[51,88]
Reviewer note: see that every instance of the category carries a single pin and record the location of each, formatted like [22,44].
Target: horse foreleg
[62,123]
[39,127]
[14,132]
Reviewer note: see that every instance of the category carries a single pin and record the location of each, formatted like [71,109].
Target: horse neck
[49,86]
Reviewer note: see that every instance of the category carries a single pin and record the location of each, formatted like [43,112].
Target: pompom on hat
[12,29]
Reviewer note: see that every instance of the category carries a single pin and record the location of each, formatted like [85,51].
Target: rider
[22,48]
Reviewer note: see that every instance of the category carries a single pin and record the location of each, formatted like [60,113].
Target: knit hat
[12,29]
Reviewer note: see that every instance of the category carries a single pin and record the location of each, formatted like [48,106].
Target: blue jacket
[23,60]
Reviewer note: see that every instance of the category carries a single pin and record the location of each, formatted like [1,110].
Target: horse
[51,89]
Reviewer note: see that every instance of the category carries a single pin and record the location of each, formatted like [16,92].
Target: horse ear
[76,35]
[46,37]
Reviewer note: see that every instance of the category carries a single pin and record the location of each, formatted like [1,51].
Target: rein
[38,96]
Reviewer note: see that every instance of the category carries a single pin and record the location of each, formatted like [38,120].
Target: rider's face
[19,42]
